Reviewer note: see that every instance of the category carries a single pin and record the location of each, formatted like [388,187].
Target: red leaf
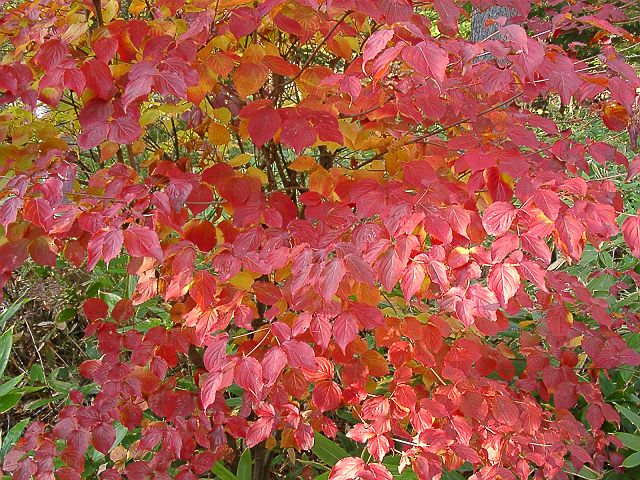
[102,437]
[261,429]
[498,218]
[347,469]
[123,310]
[534,273]
[412,280]
[506,411]
[299,354]
[634,168]
[273,363]
[378,447]
[98,78]
[263,121]
[43,251]
[548,202]
[459,218]
[449,13]
[9,211]
[125,129]
[376,471]
[248,376]
[39,212]
[570,235]
[131,416]
[140,82]
[51,53]
[565,395]
[390,267]
[326,396]
[297,131]
[142,242]
[428,59]
[209,389]
[376,408]
[93,136]
[330,278]
[105,245]
[66,473]
[465,452]
[504,281]
[395,10]
[345,329]
[631,234]
[203,289]
[95,309]
[375,44]
[202,233]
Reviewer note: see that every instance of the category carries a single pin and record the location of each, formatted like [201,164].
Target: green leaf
[12,437]
[323,476]
[6,340]
[245,466]
[222,472]
[632,417]
[11,311]
[36,373]
[327,451]
[629,440]
[66,314]
[8,401]
[392,463]
[452,476]
[10,385]
[632,460]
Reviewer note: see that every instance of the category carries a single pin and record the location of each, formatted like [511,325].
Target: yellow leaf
[181,25]
[243,281]
[249,78]
[218,134]
[320,181]
[174,109]
[149,116]
[110,11]
[138,146]
[303,163]
[137,7]
[282,274]
[241,159]
[255,172]
[74,32]
[108,150]
[223,114]
[254,53]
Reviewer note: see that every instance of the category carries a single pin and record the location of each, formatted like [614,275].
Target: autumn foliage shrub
[349,218]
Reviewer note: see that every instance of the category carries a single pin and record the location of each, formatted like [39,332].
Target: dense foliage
[310,220]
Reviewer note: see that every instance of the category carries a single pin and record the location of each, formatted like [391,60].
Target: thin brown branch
[443,129]
[315,51]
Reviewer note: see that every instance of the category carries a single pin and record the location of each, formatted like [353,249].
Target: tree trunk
[481,24]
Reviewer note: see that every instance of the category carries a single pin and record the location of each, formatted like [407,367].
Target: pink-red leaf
[345,329]
[631,234]
[504,281]
[347,468]
[142,242]
[375,44]
[498,218]
[428,59]
[299,354]
[102,437]
[326,396]
[104,244]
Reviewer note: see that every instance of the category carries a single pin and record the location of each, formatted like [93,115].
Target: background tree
[307,220]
